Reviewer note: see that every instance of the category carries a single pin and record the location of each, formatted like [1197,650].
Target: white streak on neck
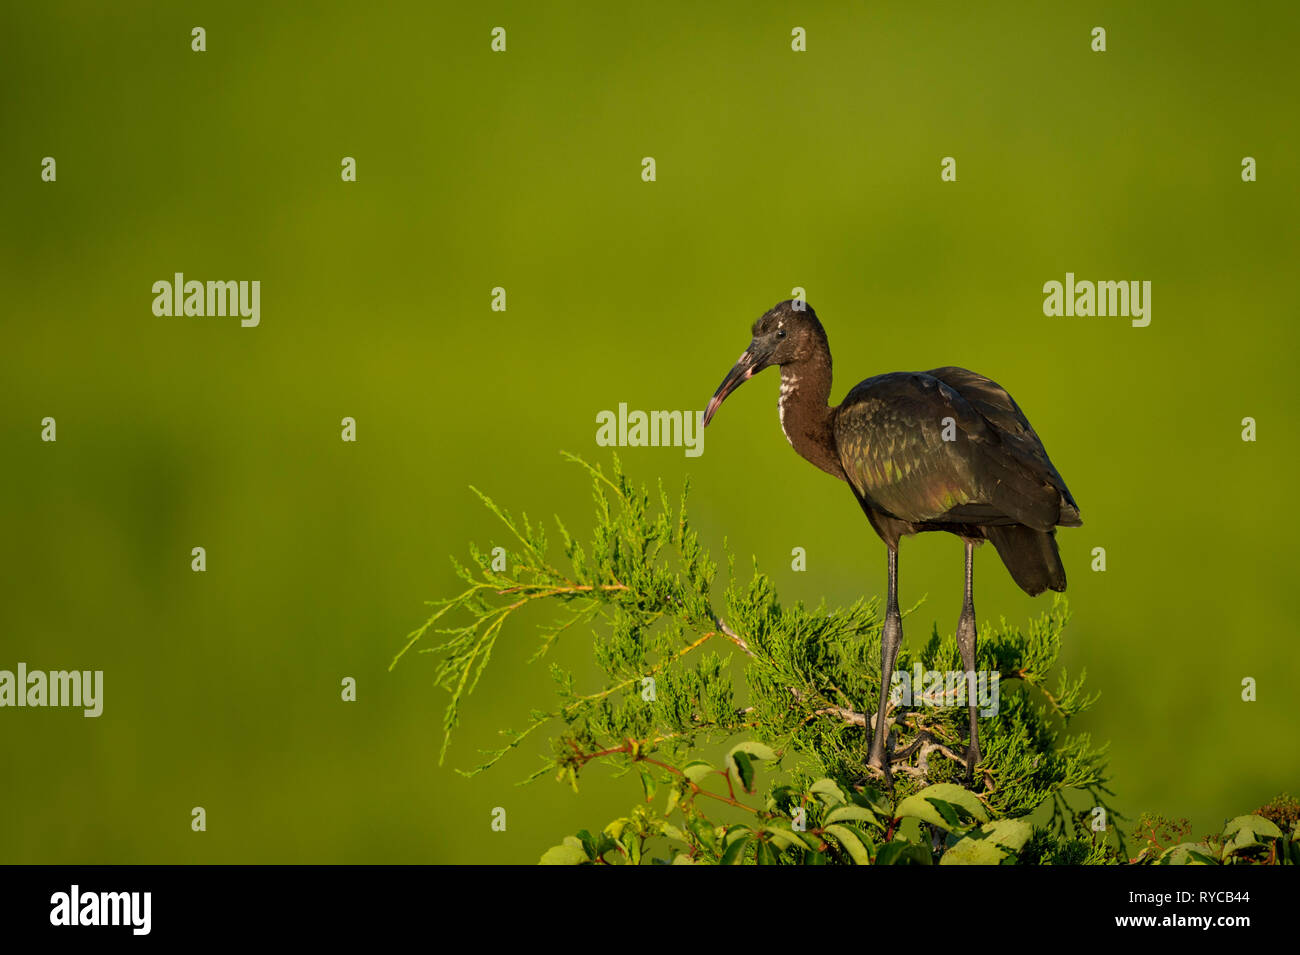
[789,385]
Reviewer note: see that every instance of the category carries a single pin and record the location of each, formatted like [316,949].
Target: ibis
[939,450]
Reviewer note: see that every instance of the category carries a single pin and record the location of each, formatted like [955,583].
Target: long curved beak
[741,372]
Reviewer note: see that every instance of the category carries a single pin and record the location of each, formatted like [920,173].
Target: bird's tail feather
[1030,555]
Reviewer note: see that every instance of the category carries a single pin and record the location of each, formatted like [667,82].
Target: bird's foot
[877,758]
[899,755]
[878,767]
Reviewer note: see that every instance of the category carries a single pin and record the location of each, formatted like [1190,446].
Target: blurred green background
[522,170]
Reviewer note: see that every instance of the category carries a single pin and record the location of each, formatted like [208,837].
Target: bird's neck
[806,417]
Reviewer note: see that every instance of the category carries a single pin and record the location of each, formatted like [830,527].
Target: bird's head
[784,335]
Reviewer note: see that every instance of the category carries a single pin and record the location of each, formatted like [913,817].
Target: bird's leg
[966,644]
[890,638]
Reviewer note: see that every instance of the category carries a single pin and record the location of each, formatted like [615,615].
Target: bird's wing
[1014,431]
[890,432]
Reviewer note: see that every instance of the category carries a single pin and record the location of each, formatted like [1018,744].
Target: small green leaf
[1187,853]
[615,829]
[851,843]
[1256,825]
[697,770]
[738,831]
[631,843]
[765,854]
[874,800]
[951,814]
[740,760]
[704,832]
[744,770]
[923,809]
[564,855]
[852,813]
[969,851]
[784,838]
[902,852]
[604,842]
[674,797]
[828,791]
[958,796]
[809,839]
[782,798]
[755,750]
[670,831]
[1011,834]
[648,785]
[990,844]
[1248,835]
[735,851]
[945,805]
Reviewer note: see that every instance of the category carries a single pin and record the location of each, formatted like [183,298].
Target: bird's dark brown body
[940,450]
[949,450]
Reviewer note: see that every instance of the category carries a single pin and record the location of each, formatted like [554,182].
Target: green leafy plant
[785,689]
[1252,839]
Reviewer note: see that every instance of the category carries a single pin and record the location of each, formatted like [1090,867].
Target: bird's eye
[780,333]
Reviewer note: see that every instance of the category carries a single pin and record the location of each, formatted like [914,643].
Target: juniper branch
[807,676]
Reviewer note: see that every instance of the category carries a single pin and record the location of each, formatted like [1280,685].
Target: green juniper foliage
[781,688]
